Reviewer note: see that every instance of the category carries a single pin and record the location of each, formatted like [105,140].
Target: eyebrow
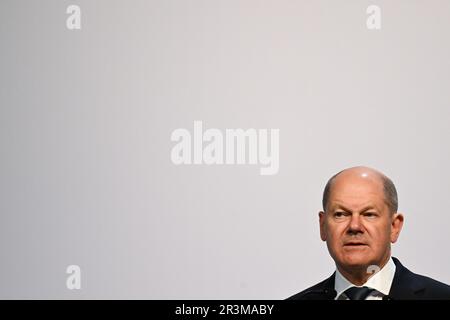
[366,208]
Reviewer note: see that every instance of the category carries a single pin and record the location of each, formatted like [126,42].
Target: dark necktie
[358,293]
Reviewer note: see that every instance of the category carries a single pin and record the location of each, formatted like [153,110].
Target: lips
[355,244]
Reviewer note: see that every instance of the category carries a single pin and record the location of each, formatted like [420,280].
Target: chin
[356,259]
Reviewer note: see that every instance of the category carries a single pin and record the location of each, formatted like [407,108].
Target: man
[359,222]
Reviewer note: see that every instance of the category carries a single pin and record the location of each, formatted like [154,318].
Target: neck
[360,274]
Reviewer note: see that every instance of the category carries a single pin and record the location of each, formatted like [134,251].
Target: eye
[370,214]
[340,214]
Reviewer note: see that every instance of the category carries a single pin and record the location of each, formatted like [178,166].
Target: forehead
[356,191]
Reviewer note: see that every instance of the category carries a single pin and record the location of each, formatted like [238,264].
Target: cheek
[335,233]
[379,234]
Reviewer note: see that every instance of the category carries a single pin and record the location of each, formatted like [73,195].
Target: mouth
[355,244]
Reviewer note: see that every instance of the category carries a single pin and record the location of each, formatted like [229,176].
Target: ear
[396,226]
[323,232]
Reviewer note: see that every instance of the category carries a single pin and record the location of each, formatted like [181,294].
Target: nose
[355,225]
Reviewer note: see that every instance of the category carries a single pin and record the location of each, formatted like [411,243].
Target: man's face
[358,225]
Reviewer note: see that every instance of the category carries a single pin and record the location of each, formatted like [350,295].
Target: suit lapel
[323,291]
[405,285]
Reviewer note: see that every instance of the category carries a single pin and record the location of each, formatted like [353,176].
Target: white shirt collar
[380,281]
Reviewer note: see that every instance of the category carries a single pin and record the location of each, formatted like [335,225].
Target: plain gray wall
[86,117]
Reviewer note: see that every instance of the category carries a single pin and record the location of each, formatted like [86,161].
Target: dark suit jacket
[405,286]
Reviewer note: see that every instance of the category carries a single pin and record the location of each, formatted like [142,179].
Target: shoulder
[410,285]
[430,288]
[322,291]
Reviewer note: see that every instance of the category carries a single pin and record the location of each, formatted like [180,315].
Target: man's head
[359,220]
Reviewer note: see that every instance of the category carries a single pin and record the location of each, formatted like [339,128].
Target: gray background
[86,118]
